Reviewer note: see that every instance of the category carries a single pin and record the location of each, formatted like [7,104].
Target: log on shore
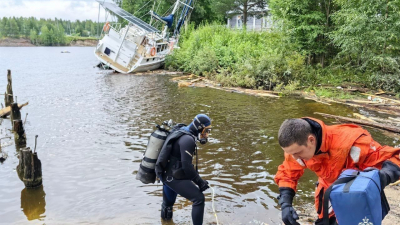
[362,122]
[383,98]
[4,112]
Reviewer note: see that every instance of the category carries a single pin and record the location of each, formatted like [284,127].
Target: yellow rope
[212,204]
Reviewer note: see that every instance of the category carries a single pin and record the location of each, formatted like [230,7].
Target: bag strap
[328,192]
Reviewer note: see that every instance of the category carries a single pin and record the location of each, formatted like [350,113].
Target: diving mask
[203,136]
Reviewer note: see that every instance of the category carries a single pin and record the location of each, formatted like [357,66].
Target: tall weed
[238,58]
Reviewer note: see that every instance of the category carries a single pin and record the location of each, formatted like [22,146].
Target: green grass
[68,39]
[332,93]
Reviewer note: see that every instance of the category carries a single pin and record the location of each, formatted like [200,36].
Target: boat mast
[164,33]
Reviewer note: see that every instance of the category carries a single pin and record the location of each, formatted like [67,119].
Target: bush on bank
[265,60]
[238,58]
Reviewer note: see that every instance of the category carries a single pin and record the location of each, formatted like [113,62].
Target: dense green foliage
[368,36]
[47,32]
[204,10]
[238,58]
[313,42]
[307,23]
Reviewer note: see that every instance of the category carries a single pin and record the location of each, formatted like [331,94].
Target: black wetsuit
[184,149]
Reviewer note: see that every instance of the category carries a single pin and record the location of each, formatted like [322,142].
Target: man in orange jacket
[327,150]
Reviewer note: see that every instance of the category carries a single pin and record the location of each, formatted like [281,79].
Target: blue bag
[356,198]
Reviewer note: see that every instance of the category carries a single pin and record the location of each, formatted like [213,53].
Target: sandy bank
[15,42]
[83,43]
[25,42]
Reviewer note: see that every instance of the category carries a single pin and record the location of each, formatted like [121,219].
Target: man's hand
[389,173]
[289,215]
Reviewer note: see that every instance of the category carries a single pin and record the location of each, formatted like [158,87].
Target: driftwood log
[4,112]
[363,122]
[29,168]
[8,96]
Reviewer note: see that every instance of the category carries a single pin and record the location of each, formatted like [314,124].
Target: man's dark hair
[294,131]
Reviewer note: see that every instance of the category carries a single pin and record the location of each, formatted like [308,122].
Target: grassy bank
[68,39]
[265,60]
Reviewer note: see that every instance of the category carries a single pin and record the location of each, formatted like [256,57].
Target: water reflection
[33,203]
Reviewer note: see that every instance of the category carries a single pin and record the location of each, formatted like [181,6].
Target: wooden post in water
[18,126]
[15,113]
[19,133]
[8,96]
[30,168]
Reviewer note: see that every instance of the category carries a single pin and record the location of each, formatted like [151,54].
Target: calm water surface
[93,129]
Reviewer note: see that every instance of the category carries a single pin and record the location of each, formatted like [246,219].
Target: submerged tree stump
[29,168]
[8,96]
[19,133]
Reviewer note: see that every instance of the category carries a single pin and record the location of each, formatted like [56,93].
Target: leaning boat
[138,46]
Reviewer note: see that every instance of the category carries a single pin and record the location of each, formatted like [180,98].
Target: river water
[93,128]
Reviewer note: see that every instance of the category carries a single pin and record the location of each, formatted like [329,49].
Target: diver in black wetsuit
[180,176]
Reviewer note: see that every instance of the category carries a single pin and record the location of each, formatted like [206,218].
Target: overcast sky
[62,9]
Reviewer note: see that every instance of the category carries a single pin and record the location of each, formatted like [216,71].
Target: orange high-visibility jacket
[345,146]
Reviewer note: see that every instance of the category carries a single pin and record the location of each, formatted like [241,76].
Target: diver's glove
[289,215]
[389,173]
[203,185]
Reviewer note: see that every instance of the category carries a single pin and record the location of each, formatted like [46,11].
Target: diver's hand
[203,184]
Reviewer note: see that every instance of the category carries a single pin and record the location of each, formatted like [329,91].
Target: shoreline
[25,42]
[385,105]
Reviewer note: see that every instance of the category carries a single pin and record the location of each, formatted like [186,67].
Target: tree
[308,23]
[204,10]
[93,32]
[14,29]
[368,34]
[33,36]
[45,37]
[245,7]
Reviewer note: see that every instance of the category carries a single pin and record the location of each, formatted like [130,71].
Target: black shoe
[166,212]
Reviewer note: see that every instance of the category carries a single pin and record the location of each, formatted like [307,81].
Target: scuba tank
[146,173]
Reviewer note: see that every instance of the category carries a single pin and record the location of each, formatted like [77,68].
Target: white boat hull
[126,52]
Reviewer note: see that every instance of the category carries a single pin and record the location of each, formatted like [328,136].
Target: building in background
[258,19]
